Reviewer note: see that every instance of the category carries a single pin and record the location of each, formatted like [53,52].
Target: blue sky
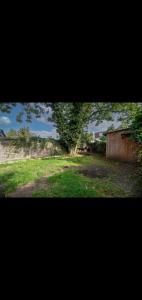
[41,126]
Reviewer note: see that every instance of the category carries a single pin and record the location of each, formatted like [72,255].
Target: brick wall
[12,149]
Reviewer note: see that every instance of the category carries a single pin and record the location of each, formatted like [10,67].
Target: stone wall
[18,149]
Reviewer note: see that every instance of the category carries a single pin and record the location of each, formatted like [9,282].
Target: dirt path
[26,190]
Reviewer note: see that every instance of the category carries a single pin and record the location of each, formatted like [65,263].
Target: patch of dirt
[94,172]
[26,190]
[126,176]
[122,174]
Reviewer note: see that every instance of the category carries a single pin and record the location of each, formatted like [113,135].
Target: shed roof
[116,130]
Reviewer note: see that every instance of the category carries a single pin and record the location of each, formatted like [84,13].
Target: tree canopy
[136,127]
[85,138]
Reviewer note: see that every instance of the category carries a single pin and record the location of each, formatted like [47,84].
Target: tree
[6,107]
[24,132]
[29,110]
[12,133]
[70,120]
[128,114]
[85,138]
[136,127]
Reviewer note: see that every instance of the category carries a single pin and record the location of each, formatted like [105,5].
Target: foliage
[140,161]
[70,120]
[103,138]
[6,107]
[140,157]
[85,138]
[111,128]
[136,127]
[99,146]
[140,167]
[24,132]
[129,113]
[11,133]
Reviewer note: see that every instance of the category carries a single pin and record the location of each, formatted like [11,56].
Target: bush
[136,128]
[140,161]
[99,147]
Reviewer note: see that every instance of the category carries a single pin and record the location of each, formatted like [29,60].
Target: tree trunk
[72,151]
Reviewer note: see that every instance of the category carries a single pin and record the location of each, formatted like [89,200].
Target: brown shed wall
[121,148]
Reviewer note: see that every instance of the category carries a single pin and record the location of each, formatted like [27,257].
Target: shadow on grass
[4,182]
[26,190]
[67,183]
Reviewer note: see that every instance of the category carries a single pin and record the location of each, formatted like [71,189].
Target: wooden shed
[120,146]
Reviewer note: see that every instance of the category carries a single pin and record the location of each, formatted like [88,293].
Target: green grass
[68,183]
[71,184]
[16,174]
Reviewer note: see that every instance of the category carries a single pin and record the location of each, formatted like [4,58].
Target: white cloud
[46,108]
[45,133]
[104,125]
[44,118]
[5,120]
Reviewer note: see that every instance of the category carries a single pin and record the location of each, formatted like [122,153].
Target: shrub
[136,128]
[99,147]
[140,161]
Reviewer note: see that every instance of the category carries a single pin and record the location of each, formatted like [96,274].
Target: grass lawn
[63,180]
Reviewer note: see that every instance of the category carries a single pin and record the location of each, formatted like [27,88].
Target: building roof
[100,131]
[116,130]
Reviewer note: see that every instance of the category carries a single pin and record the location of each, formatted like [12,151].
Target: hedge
[99,147]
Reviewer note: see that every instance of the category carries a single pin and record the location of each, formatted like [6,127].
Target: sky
[42,127]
